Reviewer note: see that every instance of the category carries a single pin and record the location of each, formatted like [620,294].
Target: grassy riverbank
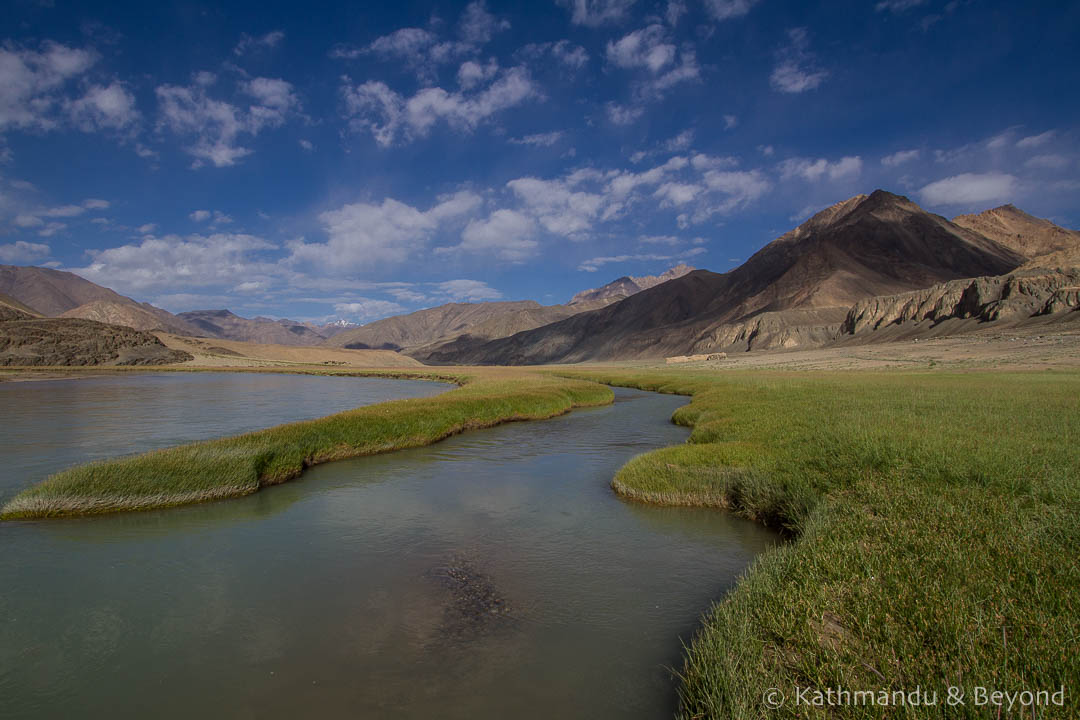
[241,465]
[935,523]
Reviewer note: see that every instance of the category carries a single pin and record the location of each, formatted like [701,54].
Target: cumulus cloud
[623,114]
[594,13]
[32,83]
[570,55]
[899,158]
[249,43]
[365,309]
[390,117]
[558,207]
[796,69]
[24,252]
[646,48]
[504,234]
[814,170]
[727,9]
[363,235]
[897,6]
[173,261]
[970,189]
[1034,141]
[466,290]
[477,25]
[104,107]
[216,127]
[594,264]
[471,73]
[540,139]
[1048,162]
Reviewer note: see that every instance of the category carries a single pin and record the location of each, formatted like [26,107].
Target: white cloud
[623,114]
[23,252]
[376,108]
[814,170]
[659,240]
[594,264]
[31,83]
[730,122]
[471,73]
[64,211]
[505,234]
[593,13]
[899,158]
[673,193]
[558,207]
[477,25]
[740,188]
[28,220]
[147,228]
[1048,162]
[177,262]
[897,6]
[365,309]
[539,139]
[1033,141]
[570,55]
[216,126]
[109,107]
[362,236]
[201,215]
[468,290]
[306,144]
[646,48]
[269,40]
[796,70]
[95,204]
[727,9]
[681,141]
[675,10]
[51,229]
[970,189]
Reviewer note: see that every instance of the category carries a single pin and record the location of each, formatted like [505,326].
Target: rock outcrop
[71,341]
[1013,297]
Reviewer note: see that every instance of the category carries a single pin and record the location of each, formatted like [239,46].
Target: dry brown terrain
[211,352]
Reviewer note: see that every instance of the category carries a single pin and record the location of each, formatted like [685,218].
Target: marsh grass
[241,465]
[934,525]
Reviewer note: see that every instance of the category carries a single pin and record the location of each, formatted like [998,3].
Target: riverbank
[935,524]
[241,465]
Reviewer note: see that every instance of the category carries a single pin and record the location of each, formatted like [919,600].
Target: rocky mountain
[864,246]
[442,324]
[225,325]
[1028,235]
[52,292]
[12,309]
[139,316]
[964,304]
[626,286]
[72,341]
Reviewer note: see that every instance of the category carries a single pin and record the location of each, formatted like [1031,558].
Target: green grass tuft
[934,524]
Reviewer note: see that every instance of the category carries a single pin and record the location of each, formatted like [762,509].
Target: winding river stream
[491,575]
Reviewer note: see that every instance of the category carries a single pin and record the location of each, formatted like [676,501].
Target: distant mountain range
[852,272]
[796,291]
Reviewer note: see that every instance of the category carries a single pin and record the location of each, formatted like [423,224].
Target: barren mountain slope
[73,341]
[624,287]
[1028,235]
[132,315]
[225,325]
[864,246]
[52,292]
[12,309]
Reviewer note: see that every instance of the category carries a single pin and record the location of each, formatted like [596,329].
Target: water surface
[492,575]
[49,425]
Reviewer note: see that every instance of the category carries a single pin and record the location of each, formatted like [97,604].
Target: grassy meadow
[241,465]
[934,525]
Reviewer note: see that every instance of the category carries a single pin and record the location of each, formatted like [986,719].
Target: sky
[358,160]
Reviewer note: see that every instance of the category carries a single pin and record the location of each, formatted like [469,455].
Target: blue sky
[355,161]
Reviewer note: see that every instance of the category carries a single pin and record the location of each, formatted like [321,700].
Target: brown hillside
[225,325]
[132,315]
[71,341]
[864,246]
[1026,234]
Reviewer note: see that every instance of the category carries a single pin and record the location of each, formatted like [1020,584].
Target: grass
[934,524]
[241,465]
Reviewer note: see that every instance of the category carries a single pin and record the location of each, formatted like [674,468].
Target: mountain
[73,341]
[52,292]
[455,327]
[626,286]
[864,246]
[55,293]
[446,322]
[139,316]
[1028,235]
[12,309]
[225,325]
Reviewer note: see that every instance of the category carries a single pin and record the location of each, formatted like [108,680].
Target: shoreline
[243,464]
